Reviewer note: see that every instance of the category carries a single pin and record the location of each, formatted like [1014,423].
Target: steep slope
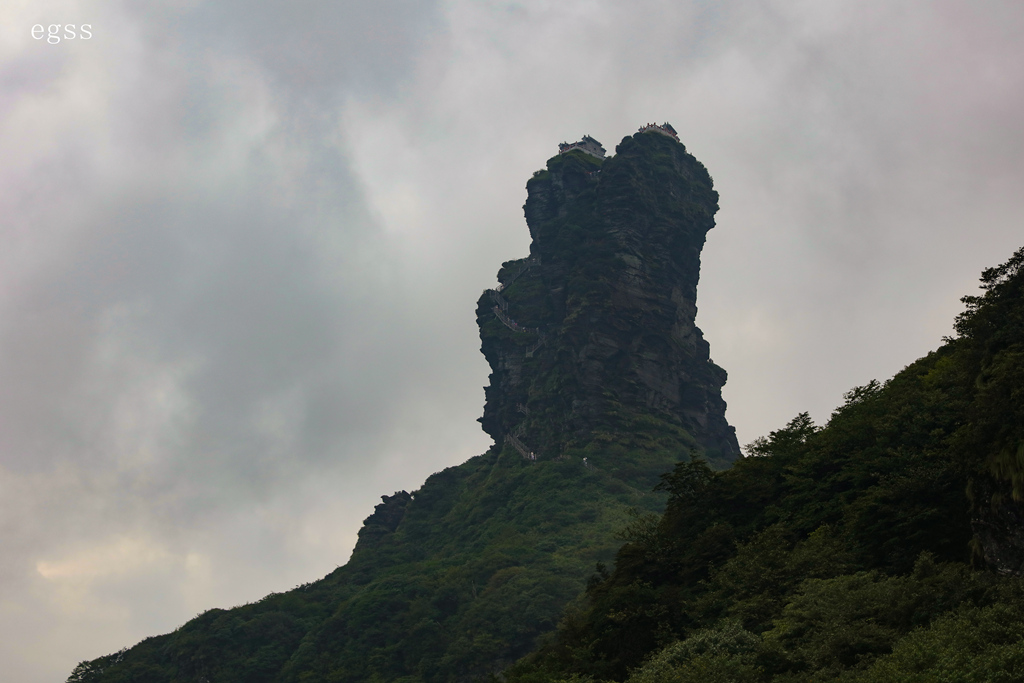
[600,382]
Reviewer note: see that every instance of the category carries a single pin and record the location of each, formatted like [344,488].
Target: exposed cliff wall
[604,311]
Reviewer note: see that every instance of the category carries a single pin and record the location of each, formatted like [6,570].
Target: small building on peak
[587,144]
[665,129]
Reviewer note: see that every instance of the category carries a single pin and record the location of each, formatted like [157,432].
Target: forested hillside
[886,545]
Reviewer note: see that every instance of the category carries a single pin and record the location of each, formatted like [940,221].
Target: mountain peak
[595,330]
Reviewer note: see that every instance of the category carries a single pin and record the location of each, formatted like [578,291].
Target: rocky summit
[595,329]
[600,383]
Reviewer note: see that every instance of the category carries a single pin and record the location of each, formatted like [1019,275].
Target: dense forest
[885,545]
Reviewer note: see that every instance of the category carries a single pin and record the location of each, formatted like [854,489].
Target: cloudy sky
[241,242]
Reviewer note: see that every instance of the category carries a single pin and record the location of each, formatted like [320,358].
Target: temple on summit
[592,147]
[587,144]
[665,129]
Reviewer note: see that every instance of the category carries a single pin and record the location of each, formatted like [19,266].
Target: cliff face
[998,526]
[597,326]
